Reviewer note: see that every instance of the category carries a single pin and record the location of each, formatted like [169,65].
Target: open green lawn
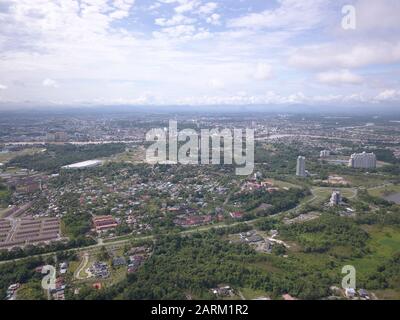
[282,184]
[365,180]
[133,156]
[388,294]
[250,293]
[384,191]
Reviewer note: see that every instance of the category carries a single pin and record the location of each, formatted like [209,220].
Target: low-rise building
[103,223]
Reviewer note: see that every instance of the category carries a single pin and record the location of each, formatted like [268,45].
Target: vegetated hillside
[57,156]
[181,266]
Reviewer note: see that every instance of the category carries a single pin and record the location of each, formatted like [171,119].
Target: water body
[394,197]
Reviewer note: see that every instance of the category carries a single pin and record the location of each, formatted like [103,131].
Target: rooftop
[83,164]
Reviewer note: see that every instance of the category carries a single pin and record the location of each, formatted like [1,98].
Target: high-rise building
[301,166]
[362,160]
[336,198]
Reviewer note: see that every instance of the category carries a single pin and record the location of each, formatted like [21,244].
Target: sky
[198,52]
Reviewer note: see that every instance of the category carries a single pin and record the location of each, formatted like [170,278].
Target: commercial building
[301,166]
[362,160]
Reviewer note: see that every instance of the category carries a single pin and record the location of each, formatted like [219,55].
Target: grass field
[133,156]
[384,191]
[282,184]
[383,243]
[365,180]
[250,293]
[4,157]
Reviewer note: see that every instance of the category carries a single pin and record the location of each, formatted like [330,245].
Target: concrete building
[301,166]
[362,160]
[56,136]
[336,198]
[324,154]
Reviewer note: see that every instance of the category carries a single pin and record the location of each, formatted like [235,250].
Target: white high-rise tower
[301,166]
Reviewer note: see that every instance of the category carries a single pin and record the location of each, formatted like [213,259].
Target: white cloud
[214,19]
[179,31]
[3,87]
[154,6]
[208,8]
[263,71]
[377,15]
[104,47]
[339,77]
[186,5]
[388,95]
[271,98]
[217,83]
[175,20]
[290,14]
[49,83]
[119,14]
[351,56]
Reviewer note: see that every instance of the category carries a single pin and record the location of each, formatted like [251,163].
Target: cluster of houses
[223,291]
[137,256]
[58,293]
[236,214]
[127,197]
[253,238]
[24,181]
[351,293]
[100,270]
[135,262]
[254,185]
[192,220]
